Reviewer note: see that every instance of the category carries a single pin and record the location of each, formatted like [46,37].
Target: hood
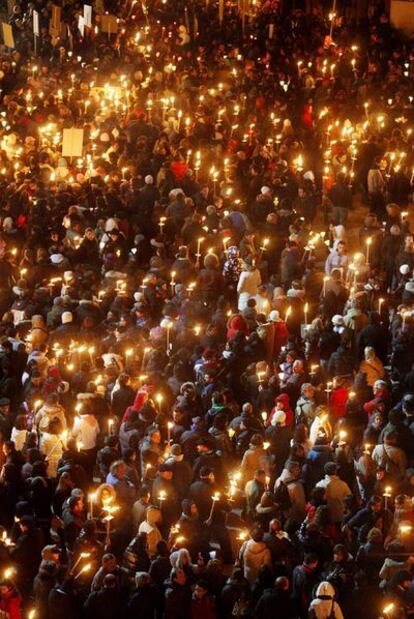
[237,323]
[38,322]
[52,409]
[284,398]
[153,516]
[325,589]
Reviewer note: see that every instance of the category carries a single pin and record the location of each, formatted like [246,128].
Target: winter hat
[56,258]
[274,316]
[67,318]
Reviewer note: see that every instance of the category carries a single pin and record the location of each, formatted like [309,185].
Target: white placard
[36,29]
[87,15]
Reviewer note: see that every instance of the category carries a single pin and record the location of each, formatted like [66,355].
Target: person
[175,298]
[371,366]
[106,601]
[202,604]
[341,198]
[253,554]
[324,604]
[304,578]
[336,491]
[144,598]
[10,600]
[276,597]
[178,596]
[119,575]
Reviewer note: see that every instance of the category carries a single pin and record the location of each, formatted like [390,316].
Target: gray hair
[142,579]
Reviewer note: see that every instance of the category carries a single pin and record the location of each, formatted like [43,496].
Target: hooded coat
[290,416]
[253,555]
[324,605]
[149,526]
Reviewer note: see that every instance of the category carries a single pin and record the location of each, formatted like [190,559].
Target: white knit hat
[67,318]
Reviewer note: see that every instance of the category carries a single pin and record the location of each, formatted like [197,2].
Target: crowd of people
[206,312]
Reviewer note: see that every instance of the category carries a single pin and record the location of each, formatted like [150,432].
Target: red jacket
[339,400]
[10,603]
[281,335]
[203,609]
[290,415]
[236,325]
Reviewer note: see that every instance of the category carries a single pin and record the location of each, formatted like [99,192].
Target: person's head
[369,353]
[260,476]
[247,408]
[118,469]
[124,380]
[375,504]
[282,583]
[109,581]
[75,504]
[200,589]
[144,494]
[341,248]
[308,391]
[275,525]
[375,536]
[204,445]
[5,586]
[4,406]
[166,472]
[330,468]
[142,579]
[311,560]
[109,562]
[339,553]
[257,535]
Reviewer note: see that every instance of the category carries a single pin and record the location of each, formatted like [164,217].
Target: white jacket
[247,286]
[324,605]
[51,447]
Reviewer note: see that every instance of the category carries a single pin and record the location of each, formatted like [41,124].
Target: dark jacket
[105,604]
[143,603]
[177,601]
[275,601]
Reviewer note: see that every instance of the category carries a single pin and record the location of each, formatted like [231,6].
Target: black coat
[105,604]
[341,362]
[63,603]
[375,336]
[272,600]
[143,603]
[121,399]
[177,602]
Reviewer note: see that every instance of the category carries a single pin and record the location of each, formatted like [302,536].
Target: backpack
[282,497]
[388,463]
